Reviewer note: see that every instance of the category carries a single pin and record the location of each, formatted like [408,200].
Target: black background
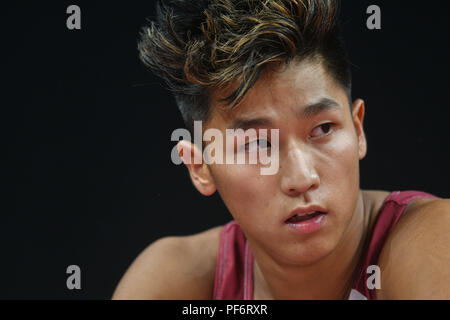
[89,179]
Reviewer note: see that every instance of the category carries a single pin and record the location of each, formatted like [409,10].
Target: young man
[307,231]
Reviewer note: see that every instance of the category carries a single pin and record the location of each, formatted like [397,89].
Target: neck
[329,278]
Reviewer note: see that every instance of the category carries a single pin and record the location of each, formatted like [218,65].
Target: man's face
[320,145]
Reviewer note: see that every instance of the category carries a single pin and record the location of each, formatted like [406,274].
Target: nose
[298,172]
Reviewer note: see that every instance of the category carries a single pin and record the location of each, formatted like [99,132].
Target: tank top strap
[234,269]
[388,216]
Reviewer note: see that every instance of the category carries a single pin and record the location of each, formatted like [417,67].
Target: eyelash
[246,146]
[330,126]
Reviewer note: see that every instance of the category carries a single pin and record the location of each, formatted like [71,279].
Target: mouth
[303,217]
[306,220]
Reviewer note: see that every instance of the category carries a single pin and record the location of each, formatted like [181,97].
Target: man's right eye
[255,145]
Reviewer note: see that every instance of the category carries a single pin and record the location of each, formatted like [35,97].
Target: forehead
[299,84]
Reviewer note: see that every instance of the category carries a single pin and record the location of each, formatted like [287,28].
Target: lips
[304,213]
[306,220]
[304,217]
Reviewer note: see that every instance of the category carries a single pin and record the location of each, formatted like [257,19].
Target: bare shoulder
[177,267]
[415,260]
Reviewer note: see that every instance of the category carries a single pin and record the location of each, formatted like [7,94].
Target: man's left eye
[321,130]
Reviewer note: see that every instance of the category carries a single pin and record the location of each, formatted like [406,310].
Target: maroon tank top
[234,270]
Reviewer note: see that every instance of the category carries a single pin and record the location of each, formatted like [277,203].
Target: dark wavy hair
[199,45]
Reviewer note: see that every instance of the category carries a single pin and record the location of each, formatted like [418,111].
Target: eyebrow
[325,104]
[312,110]
[250,123]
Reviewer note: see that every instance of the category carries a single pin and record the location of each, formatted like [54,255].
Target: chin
[308,252]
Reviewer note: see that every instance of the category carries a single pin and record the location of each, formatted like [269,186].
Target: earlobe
[198,170]
[358,110]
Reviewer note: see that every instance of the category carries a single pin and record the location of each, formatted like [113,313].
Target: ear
[199,172]
[358,110]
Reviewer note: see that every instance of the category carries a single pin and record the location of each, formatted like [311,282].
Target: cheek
[341,161]
[340,174]
[243,189]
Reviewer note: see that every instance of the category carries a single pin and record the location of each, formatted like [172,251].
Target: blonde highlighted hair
[197,45]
